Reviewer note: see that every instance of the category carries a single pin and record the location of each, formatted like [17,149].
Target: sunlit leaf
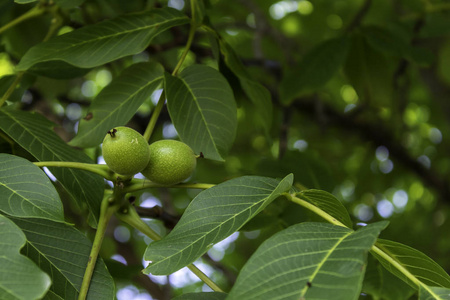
[202,108]
[34,133]
[328,203]
[25,191]
[116,104]
[315,70]
[97,44]
[63,252]
[212,216]
[418,264]
[20,278]
[308,261]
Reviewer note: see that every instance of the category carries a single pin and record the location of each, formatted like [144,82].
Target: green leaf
[25,191]
[116,104]
[202,108]
[212,216]
[328,203]
[20,278]
[382,284]
[69,3]
[315,70]
[97,44]
[369,72]
[257,93]
[34,133]
[63,252]
[202,296]
[308,261]
[418,264]
[434,293]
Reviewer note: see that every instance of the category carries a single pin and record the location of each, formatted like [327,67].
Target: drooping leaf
[212,216]
[202,108]
[20,278]
[382,284]
[202,296]
[418,264]
[434,293]
[257,93]
[25,191]
[314,71]
[63,252]
[34,133]
[116,104]
[328,203]
[308,261]
[368,72]
[97,44]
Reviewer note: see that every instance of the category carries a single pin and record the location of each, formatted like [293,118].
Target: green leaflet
[202,108]
[212,216]
[308,261]
[25,191]
[20,278]
[34,133]
[116,104]
[63,252]
[97,44]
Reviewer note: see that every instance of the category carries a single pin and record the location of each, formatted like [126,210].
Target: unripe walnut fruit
[125,151]
[170,162]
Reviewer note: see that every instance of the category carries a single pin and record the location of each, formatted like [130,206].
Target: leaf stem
[101,170]
[140,184]
[162,99]
[374,248]
[131,217]
[32,13]
[108,207]
[11,88]
[151,124]
[314,209]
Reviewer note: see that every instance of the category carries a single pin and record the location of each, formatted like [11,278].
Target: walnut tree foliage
[320,129]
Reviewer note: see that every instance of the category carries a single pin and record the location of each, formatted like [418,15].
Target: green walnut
[125,151]
[170,162]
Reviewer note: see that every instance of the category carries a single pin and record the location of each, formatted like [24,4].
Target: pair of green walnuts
[165,162]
